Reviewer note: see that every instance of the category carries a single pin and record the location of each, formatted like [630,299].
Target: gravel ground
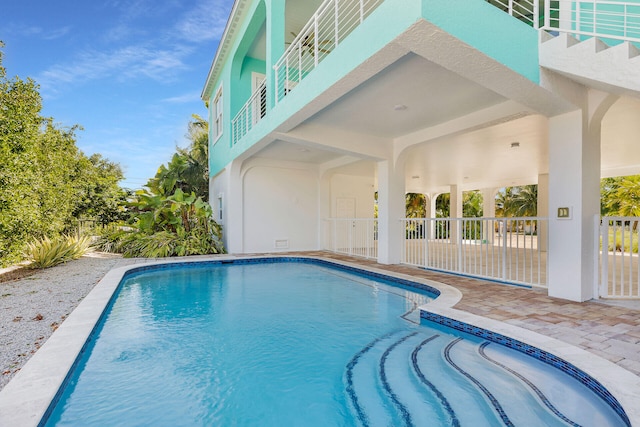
[32,305]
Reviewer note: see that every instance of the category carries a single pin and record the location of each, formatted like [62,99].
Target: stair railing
[611,19]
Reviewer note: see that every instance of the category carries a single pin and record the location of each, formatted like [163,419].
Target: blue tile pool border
[272,260]
[535,352]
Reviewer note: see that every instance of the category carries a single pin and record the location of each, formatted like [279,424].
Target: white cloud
[37,31]
[204,22]
[184,98]
[126,63]
[56,34]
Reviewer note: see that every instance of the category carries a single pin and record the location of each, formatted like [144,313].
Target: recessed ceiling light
[515,144]
[415,177]
[400,107]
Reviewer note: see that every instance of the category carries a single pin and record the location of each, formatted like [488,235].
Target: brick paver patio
[609,331]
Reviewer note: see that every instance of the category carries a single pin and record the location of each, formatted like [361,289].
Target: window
[216,114]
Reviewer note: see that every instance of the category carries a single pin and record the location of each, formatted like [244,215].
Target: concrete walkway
[608,330]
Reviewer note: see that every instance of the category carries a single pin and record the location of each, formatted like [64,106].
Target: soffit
[409,95]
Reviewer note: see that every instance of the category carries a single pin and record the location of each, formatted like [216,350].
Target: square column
[574,183]
[391,209]
[275,44]
[488,211]
[455,211]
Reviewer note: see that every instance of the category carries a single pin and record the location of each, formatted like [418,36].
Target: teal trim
[490,30]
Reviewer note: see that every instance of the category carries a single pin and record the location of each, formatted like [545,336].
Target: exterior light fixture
[400,107]
[515,144]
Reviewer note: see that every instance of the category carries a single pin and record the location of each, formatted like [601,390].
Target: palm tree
[416,205]
[525,201]
[504,202]
[472,204]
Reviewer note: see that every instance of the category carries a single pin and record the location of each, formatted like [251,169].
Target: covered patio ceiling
[413,95]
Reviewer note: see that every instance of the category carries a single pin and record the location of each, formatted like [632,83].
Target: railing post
[425,238]
[604,258]
[336,22]
[361,11]
[624,28]
[504,250]
[547,14]
[576,28]
[536,14]
[593,17]
[299,61]
[459,238]
[510,7]
[316,41]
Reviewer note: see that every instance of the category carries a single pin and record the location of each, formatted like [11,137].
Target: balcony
[250,114]
[328,27]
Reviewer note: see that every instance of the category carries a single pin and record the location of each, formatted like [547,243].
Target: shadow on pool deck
[610,330]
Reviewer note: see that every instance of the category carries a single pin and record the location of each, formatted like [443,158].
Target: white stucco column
[574,183]
[275,44]
[391,208]
[488,211]
[233,197]
[430,212]
[543,211]
[455,210]
[324,211]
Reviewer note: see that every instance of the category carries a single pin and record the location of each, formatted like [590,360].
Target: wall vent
[281,244]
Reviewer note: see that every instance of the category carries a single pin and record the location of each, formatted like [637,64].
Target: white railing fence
[524,10]
[250,113]
[330,24]
[505,249]
[612,19]
[619,263]
[352,236]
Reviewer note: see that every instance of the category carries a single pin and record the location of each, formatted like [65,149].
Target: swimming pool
[295,342]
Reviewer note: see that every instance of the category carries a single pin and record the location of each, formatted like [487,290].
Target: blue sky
[130,72]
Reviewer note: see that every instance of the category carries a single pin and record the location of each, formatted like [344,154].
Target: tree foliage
[170,217]
[188,169]
[44,177]
[519,201]
[620,196]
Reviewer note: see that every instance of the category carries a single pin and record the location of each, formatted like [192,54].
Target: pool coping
[26,398]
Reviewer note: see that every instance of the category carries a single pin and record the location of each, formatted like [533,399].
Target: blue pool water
[300,344]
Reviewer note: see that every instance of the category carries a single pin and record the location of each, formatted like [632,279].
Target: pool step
[405,378]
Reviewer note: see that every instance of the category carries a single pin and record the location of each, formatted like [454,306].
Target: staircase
[592,61]
[596,43]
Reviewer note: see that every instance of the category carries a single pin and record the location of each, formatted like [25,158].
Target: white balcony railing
[524,10]
[505,249]
[619,262]
[330,24]
[352,236]
[250,113]
[619,20]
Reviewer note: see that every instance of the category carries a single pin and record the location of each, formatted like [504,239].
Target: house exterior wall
[500,37]
[359,189]
[280,209]
[269,205]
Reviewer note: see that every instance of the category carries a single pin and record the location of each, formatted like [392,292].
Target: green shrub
[45,252]
[132,243]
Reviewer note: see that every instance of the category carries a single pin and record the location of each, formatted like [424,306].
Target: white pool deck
[25,399]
